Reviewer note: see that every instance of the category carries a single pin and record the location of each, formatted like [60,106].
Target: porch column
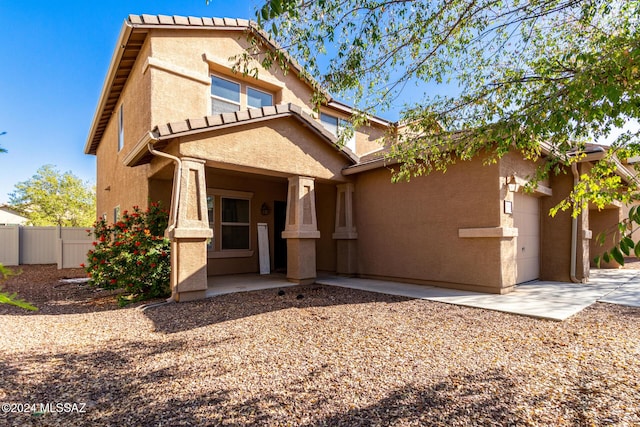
[189,237]
[301,230]
[345,231]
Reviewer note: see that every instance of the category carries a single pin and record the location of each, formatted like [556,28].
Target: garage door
[526,218]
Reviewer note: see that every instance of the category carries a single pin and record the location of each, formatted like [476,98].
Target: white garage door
[526,218]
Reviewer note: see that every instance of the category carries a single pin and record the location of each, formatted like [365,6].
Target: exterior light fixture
[512,184]
[264,209]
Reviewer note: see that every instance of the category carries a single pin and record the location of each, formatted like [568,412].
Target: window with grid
[235,223]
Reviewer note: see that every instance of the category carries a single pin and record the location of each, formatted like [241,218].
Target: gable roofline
[132,36]
[161,135]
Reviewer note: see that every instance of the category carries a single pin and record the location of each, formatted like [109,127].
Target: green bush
[132,255]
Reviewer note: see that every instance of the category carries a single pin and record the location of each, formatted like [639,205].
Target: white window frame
[215,250]
[116,214]
[340,124]
[248,88]
[235,224]
[230,101]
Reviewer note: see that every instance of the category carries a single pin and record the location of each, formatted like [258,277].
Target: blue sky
[55,55]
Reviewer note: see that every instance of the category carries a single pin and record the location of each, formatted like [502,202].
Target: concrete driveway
[547,300]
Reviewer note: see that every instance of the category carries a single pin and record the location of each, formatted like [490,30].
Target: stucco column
[345,231]
[189,237]
[301,230]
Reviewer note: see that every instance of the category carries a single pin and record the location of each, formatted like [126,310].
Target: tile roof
[168,131]
[187,21]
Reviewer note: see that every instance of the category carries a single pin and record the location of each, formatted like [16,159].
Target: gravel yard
[333,357]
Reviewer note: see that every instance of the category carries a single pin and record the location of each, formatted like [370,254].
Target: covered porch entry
[275,168]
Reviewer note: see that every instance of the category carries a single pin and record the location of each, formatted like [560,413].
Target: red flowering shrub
[132,255]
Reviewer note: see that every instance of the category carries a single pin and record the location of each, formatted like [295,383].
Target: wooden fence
[65,246]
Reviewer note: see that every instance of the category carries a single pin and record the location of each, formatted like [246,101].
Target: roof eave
[125,32]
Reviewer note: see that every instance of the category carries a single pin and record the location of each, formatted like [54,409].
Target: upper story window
[120,128]
[227,96]
[257,98]
[336,125]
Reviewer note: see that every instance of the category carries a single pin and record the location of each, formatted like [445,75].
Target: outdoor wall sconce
[512,184]
[264,209]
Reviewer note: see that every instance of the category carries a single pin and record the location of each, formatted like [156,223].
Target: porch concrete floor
[220,285]
[542,299]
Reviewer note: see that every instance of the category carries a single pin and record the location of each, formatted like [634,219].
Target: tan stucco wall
[128,186]
[409,231]
[278,147]
[555,244]
[188,50]
[605,220]
[202,53]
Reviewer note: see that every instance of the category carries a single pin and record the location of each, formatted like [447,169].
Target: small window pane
[330,123]
[235,237]
[219,106]
[235,210]
[257,98]
[225,89]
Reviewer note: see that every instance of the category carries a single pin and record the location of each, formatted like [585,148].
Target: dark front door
[279,244]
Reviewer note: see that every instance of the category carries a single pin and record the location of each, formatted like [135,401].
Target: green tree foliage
[132,255]
[54,198]
[525,74]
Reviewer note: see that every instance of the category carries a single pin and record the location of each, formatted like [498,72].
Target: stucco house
[254,178]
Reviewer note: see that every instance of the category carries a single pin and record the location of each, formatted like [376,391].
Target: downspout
[574,229]
[177,177]
[175,195]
